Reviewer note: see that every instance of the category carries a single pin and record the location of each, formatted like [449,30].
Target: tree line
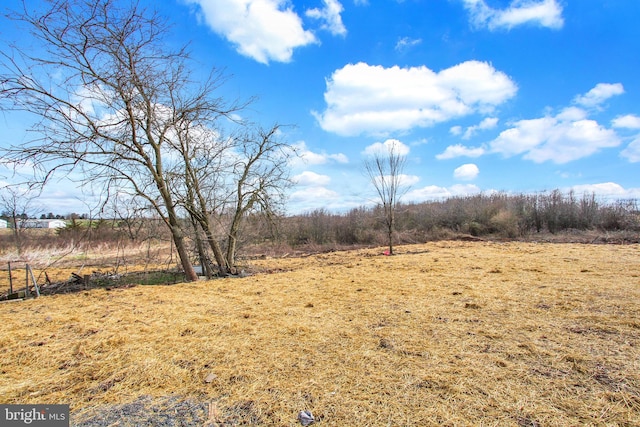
[498,215]
[492,216]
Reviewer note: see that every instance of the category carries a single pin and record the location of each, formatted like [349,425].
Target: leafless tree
[385,170]
[15,203]
[261,177]
[198,180]
[112,99]
[229,178]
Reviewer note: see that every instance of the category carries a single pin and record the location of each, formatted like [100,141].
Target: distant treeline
[492,216]
[7,216]
[496,215]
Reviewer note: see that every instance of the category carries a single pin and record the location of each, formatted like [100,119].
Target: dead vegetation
[447,333]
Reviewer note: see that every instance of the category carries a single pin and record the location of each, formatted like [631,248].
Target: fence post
[10,279]
[33,279]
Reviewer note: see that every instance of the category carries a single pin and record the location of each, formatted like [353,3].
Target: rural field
[445,333]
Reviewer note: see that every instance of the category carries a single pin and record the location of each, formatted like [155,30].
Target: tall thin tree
[385,171]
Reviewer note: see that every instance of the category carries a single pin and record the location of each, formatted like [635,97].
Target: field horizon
[442,333]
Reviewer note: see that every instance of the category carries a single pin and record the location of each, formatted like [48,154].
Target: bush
[505,223]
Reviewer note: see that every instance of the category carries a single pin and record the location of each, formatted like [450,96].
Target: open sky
[481,95]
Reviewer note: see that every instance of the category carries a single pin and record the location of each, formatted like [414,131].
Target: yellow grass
[448,333]
[59,264]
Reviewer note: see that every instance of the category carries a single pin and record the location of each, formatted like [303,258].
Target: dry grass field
[446,333]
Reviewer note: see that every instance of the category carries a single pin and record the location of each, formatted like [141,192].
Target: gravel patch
[171,411]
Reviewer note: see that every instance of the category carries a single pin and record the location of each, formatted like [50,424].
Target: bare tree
[110,96]
[261,178]
[385,170]
[200,180]
[15,203]
[227,178]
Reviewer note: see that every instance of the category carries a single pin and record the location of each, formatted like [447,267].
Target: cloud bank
[554,139]
[561,138]
[434,192]
[370,99]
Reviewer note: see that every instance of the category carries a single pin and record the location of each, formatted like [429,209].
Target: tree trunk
[176,234]
[231,249]
[202,253]
[16,235]
[391,222]
[223,265]
[178,239]
[233,238]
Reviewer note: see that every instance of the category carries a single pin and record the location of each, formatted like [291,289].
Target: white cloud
[309,199]
[488,123]
[383,148]
[89,99]
[418,142]
[600,93]
[313,196]
[480,12]
[572,113]
[403,180]
[339,157]
[432,192]
[565,137]
[607,191]
[26,169]
[308,157]
[408,180]
[466,172]
[455,130]
[627,122]
[330,16]
[525,136]
[363,98]
[554,139]
[265,30]
[311,179]
[459,150]
[405,43]
[545,13]
[632,152]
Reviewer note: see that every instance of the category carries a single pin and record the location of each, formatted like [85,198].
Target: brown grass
[448,333]
[60,263]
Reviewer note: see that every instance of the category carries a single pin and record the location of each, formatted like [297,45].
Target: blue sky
[481,95]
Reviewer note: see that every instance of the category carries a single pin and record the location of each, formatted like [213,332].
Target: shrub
[505,223]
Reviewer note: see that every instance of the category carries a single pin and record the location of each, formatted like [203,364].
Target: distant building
[3,223]
[42,223]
